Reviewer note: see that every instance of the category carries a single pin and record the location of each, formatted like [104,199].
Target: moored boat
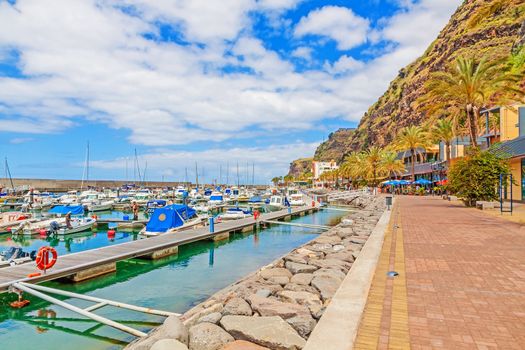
[171,218]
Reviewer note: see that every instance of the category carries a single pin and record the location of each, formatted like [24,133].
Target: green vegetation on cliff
[493,29]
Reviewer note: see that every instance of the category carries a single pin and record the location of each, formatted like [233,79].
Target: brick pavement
[461,282]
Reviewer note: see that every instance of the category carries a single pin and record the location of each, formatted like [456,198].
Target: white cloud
[303,52]
[267,161]
[92,62]
[19,140]
[338,23]
[344,64]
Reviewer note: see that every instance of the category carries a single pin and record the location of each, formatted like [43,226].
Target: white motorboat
[170,219]
[100,205]
[14,256]
[235,214]
[216,198]
[76,225]
[296,199]
[276,203]
[13,219]
[33,228]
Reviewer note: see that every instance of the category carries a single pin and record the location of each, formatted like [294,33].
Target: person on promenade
[135,209]
[68,220]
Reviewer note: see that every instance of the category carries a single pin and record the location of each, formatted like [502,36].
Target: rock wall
[278,306]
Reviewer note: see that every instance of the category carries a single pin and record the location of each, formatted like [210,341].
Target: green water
[175,284]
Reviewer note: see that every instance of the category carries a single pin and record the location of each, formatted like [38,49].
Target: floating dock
[91,263]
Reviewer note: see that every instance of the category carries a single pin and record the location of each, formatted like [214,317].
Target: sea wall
[278,306]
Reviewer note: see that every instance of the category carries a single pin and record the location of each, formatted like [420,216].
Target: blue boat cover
[64,209]
[216,198]
[156,202]
[255,199]
[169,217]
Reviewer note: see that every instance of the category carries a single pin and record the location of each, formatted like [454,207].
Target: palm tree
[353,167]
[410,139]
[373,157]
[467,86]
[390,164]
[443,130]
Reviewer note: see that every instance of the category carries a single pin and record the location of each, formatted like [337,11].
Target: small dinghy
[14,256]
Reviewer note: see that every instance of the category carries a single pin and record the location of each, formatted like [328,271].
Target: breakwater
[278,306]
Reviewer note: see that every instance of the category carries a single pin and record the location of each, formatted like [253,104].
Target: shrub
[476,177]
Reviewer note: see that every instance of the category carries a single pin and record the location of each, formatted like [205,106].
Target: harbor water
[174,284]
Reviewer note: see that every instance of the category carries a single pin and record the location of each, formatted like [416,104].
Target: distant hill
[494,28]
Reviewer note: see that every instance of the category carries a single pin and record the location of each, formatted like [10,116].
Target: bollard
[212,224]
[388,201]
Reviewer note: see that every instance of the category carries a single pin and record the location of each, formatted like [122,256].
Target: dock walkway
[70,264]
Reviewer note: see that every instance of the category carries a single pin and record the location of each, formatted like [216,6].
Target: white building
[319,168]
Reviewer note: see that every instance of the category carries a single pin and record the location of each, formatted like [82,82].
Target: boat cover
[64,209]
[255,199]
[169,217]
[156,202]
[216,198]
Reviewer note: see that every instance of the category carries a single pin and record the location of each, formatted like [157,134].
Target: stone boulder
[321,247]
[275,272]
[280,280]
[331,263]
[326,285]
[336,273]
[301,298]
[272,332]
[168,344]
[243,345]
[214,317]
[237,306]
[208,336]
[301,288]
[303,324]
[273,307]
[172,328]
[302,278]
[299,268]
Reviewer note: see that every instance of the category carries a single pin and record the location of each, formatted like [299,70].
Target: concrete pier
[93,272]
[161,253]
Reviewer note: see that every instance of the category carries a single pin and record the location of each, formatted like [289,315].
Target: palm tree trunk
[473,124]
[413,151]
[447,147]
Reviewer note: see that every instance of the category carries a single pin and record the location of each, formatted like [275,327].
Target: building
[318,168]
[507,125]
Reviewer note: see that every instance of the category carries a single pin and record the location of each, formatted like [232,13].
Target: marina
[105,256]
[200,269]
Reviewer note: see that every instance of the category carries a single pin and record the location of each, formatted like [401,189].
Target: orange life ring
[42,258]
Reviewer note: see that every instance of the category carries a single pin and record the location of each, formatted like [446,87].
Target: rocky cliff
[478,28]
[493,28]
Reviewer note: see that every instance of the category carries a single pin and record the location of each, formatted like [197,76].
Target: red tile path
[465,276]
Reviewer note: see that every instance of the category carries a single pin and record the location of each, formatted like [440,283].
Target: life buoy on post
[43,262]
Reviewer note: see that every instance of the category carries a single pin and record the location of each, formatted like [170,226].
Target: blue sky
[194,81]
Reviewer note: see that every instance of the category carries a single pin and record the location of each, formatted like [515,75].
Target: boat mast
[8,175]
[144,175]
[137,166]
[127,170]
[253,175]
[220,174]
[238,180]
[227,173]
[85,173]
[196,176]
[185,176]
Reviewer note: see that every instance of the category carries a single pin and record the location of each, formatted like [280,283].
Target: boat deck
[72,263]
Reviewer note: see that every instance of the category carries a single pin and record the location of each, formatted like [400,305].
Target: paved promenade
[461,282]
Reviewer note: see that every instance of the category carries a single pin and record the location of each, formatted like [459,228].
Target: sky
[257,83]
